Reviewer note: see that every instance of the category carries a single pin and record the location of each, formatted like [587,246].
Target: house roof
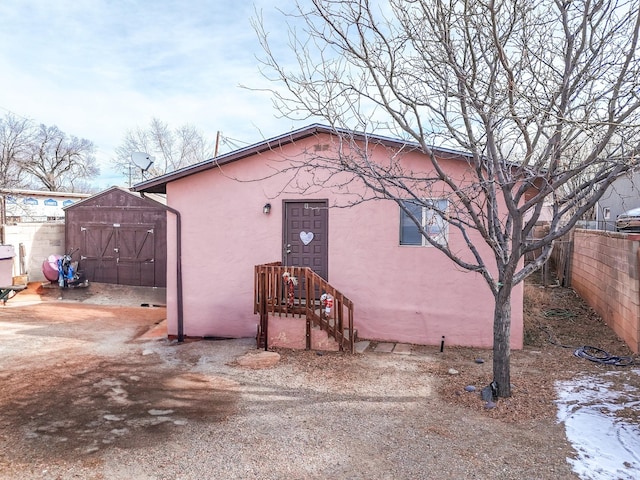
[42,193]
[159,184]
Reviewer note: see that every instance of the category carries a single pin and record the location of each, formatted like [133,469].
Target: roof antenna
[141,160]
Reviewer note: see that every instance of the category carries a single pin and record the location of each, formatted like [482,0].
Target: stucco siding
[401,293]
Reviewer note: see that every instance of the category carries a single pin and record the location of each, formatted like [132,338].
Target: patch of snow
[160,412]
[112,418]
[607,445]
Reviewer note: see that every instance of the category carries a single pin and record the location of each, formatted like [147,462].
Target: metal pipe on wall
[178,264]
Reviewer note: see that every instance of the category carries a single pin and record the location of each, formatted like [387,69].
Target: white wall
[40,240]
[35,206]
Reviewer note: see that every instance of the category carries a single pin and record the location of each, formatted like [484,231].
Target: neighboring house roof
[42,193]
[24,206]
[158,198]
[158,184]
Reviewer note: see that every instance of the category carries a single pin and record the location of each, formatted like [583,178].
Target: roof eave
[159,184]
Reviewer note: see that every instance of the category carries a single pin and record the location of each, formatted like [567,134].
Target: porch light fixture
[266,209]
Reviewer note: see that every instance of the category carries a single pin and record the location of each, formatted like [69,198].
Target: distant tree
[59,162]
[41,157]
[544,95]
[85,186]
[172,148]
[16,137]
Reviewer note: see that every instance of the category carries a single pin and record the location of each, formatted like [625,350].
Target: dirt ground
[83,394]
[557,321]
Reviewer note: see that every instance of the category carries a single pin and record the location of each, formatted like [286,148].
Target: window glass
[409,232]
[51,202]
[434,225]
[30,201]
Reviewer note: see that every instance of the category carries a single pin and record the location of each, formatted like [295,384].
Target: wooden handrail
[286,290]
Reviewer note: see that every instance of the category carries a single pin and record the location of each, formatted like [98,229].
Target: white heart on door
[306,237]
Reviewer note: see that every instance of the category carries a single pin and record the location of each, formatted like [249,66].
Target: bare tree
[59,162]
[172,149]
[544,96]
[16,137]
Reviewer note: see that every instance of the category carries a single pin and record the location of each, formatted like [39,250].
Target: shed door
[121,254]
[136,255]
[98,260]
[306,235]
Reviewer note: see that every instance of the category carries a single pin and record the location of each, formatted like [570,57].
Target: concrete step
[361,346]
[391,347]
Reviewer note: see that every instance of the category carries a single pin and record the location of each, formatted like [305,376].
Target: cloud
[98,68]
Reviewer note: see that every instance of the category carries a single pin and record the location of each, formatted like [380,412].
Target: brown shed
[121,238]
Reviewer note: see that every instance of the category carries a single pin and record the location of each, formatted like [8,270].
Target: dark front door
[306,235]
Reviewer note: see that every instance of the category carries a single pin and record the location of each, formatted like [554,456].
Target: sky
[97,68]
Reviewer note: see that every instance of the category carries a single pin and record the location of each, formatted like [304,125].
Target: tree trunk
[501,343]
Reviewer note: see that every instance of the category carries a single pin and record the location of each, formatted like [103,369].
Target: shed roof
[155,197]
[159,184]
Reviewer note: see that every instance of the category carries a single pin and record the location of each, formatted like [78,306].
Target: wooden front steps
[282,292]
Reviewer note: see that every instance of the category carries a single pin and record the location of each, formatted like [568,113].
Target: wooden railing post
[338,320]
[309,305]
[264,317]
[261,307]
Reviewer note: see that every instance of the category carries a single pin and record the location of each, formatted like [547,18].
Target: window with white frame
[429,217]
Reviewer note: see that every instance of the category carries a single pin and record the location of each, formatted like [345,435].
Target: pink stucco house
[243,209]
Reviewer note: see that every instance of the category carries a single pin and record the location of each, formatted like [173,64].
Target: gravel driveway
[82,396]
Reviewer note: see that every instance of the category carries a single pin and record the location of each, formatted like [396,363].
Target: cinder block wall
[40,240]
[605,273]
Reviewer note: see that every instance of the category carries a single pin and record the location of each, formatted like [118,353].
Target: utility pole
[215,151]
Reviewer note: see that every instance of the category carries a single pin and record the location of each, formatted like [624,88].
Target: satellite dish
[142,160]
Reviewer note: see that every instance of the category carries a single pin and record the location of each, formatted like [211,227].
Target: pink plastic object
[50,268]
